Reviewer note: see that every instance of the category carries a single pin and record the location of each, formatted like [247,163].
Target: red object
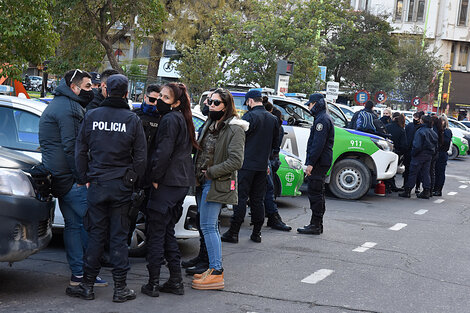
[361,96]
[380,189]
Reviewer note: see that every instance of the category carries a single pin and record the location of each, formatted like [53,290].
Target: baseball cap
[95,78]
[315,97]
[117,85]
[253,94]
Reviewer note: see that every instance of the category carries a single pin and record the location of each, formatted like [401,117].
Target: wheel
[350,179]
[455,153]
[138,244]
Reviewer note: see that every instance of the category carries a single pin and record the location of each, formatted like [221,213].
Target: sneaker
[212,280]
[76,280]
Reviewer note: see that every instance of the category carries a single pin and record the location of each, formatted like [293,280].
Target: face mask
[416,122]
[148,109]
[163,107]
[86,95]
[216,115]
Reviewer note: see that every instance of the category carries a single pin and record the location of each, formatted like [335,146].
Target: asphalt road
[379,254]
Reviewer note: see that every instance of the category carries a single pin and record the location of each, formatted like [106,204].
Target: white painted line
[463,186]
[421,212]
[452,193]
[366,246]
[398,226]
[439,201]
[317,276]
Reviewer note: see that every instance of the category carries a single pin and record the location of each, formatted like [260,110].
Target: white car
[19,128]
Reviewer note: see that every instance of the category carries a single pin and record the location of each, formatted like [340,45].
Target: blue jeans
[73,206]
[209,219]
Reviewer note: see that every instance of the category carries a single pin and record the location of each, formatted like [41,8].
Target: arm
[417,144]
[139,149]
[249,118]
[81,154]
[320,134]
[69,125]
[276,144]
[236,152]
[167,134]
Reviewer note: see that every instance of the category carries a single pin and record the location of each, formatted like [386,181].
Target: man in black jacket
[410,131]
[110,156]
[319,158]
[261,139]
[58,129]
[100,93]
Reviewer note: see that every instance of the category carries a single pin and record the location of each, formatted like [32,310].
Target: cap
[315,97]
[117,85]
[253,94]
[95,78]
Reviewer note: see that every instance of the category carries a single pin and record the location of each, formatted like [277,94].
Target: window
[411,8]
[452,54]
[462,21]
[463,56]
[420,14]
[19,129]
[399,10]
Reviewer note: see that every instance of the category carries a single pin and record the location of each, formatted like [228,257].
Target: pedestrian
[222,142]
[110,157]
[95,80]
[171,174]
[386,116]
[100,92]
[444,135]
[319,158]
[432,168]
[424,146]
[270,206]
[58,130]
[398,135]
[364,120]
[261,139]
[410,131]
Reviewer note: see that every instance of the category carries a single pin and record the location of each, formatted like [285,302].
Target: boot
[211,280]
[202,255]
[231,235]
[256,234]
[314,228]
[85,289]
[202,263]
[425,194]
[275,222]
[174,284]
[121,292]
[151,288]
[437,192]
[406,193]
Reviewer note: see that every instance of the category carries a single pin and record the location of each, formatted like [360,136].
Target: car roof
[33,106]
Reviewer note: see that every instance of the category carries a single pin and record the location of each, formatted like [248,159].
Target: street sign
[361,96]
[380,96]
[332,91]
[282,84]
[416,101]
[322,73]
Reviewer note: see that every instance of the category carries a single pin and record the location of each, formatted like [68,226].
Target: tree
[26,35]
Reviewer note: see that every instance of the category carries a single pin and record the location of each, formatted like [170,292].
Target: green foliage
[26,34]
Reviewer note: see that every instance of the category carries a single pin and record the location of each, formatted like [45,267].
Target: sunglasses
[75,73]
[152,99]
[214,102]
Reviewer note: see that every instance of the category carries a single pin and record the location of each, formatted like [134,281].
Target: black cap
[315,97]
[253,94]
[117,85]
[95,78]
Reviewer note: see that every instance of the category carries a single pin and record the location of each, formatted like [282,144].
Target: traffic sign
[416,101]
[332,90]
[361,96]
[380,96]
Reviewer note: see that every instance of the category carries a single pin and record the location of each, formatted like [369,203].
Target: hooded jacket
[58,130]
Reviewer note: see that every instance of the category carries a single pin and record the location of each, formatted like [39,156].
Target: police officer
[110,155]
[319,157]
[100,91]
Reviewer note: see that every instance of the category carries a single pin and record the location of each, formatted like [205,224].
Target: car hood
[15,160]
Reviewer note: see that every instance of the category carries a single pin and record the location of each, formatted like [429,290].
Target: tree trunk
[155,56]
[110,54]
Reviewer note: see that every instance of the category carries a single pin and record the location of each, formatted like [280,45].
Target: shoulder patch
[319,127]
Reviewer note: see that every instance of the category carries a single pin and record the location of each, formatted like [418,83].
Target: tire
[350,179]
[455,152]
[138,244]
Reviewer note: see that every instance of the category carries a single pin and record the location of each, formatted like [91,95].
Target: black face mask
[86,96]
[416,122]
[163,107]
[216,115]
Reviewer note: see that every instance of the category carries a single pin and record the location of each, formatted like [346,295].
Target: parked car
[25,218]
[19,129]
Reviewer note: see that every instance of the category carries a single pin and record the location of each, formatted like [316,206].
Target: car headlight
[16,183]
[383,144]
[293,163]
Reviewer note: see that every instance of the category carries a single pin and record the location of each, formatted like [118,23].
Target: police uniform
[319,156]
[110,155]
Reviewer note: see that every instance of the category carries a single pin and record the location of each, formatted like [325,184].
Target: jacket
[171,163]
[446,141]
[97,99]
[111,142]
[58,129]
[424,142]
[321,139]
[228,159]
[262,138]
[365,121]
[410,130]
[398,137]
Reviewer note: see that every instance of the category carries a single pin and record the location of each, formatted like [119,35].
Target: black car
[25,213]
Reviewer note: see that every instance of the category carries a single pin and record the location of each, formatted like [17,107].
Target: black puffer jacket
[321,140]
[58,129]
[97,99]
[398,137]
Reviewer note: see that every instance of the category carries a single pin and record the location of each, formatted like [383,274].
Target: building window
[399,10]
[411,8]
[463,12]
[420,14]
[362,5]
[452,53]
[463,56]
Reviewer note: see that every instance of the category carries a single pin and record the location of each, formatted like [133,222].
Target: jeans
[73,206]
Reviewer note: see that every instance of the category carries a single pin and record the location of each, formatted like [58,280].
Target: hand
[308,171]
[87,185]
[205,174]
[155,185]
[268,171]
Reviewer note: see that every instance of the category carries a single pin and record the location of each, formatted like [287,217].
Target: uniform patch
[319,127]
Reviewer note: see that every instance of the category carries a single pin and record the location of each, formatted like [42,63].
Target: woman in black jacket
[397,130]
[172,173]
[444,135]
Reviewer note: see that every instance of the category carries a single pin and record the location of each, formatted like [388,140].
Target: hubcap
[349,179]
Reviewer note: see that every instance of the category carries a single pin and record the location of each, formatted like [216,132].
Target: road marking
[398,226]
[421,212]
[439,201]
[463,186]
[317,276]
[366,246]
[452,193]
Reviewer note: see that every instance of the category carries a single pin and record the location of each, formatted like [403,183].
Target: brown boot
[212,280]
[199,276]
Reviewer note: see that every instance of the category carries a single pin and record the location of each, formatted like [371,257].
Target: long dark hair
[180,92]
[227,99]
[440,130]
[399,118]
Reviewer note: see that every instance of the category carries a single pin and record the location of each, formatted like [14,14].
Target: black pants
[108,207]
[251,184]
[406,163]
[440,169]
[163,212]
[420,165]
[316,191]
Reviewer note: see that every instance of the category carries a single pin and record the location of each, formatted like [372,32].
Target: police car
[359,159]
[19,128]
